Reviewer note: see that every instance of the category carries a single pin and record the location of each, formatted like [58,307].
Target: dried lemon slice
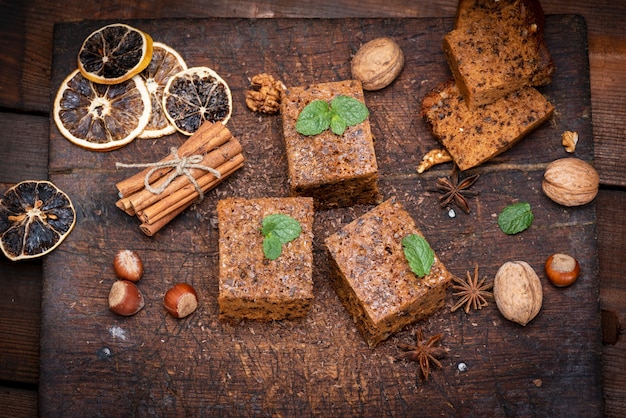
[166,62]
[35,217]
[194,96]
[114,53]
[101,117]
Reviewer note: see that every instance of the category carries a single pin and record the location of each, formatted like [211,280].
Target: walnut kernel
[265,94]
[569,140]
[432,158]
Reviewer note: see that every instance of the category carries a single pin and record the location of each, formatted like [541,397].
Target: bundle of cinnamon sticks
[212,147]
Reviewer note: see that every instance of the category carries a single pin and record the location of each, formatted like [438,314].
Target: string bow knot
[181,166]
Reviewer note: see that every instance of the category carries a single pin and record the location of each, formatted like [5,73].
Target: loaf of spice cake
[371,276]
[497,47]
[250,285]
[472,137]
[336,170]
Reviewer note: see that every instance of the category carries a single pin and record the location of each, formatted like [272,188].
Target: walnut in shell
[377,63]
[570,182]
[517,291]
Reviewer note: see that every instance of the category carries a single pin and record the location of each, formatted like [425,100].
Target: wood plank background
[25,66]
[319,365]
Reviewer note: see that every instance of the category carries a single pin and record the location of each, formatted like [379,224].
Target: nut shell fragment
[517,291]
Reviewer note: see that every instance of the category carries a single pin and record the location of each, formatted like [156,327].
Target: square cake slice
[372,277]
[475,136]
[497,48]
[252,286]
[336,170]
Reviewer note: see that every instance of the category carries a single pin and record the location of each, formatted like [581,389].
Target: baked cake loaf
[373,279]
[472,137]
[250,285]
[497,47]
[335,170]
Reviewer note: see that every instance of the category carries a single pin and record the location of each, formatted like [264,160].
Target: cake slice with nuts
[372,277]
[251,286]
[497,47]
[472,137]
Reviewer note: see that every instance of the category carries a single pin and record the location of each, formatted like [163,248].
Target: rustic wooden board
[95,363]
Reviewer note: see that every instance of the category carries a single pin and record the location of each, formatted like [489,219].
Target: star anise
[424,352]
[455,192]
[473,293]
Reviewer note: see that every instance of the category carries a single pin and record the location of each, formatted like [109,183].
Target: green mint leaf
[515,218]
[349,109]
[314,118]
[342,112]
[337,124]
[272,247]
[419,254]
[278,229]
[284,227]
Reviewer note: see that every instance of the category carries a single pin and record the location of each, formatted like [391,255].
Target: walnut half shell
[518,292]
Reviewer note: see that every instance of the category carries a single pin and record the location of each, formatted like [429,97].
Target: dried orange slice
[35,217]
[114,53]
[166,62]
[101,117]
[196,95]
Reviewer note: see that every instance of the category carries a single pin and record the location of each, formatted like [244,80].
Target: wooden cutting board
[94,363]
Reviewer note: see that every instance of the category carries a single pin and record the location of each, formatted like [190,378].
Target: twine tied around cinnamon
[182,165]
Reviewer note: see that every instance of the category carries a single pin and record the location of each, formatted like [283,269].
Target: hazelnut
[128,265]
[180,300]
[125,298]
[377,63]
[570,182]
[517,291]
[562,269]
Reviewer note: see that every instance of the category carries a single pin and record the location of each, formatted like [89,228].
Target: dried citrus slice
[166,62]
[101,117]
[196,95]
[35,217]
[114,53]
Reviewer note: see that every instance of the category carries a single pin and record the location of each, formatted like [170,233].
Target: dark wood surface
[26,67]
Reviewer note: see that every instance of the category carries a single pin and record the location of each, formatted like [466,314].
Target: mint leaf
[337,125]
[314,118]
[272,247]
[419,254]
[278,229]
[349,109]
[342,112]
[515,218]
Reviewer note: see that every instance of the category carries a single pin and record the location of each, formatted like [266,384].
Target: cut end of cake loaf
[475,136]
[371,276]
[497,47]
[250,285]
[336,170]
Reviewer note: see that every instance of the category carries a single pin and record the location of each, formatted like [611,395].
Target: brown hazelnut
[570,182]
[180,300]
[125,298]
[517,291]
[562,269]
[377,63]
[128,265]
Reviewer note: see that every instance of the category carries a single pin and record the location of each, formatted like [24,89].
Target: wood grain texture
[93,361]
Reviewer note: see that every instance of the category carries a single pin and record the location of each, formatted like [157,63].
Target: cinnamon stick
[144,198]
[208,137]
[188,194]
